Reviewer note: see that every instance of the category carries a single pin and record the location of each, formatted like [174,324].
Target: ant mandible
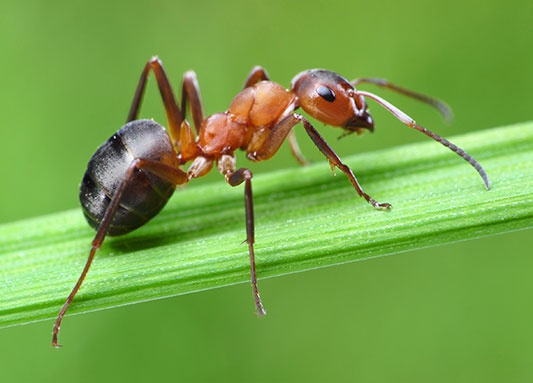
[131,176]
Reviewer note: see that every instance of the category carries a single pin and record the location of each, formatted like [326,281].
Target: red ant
[131,176]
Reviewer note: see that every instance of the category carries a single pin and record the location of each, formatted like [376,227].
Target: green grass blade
[305,219]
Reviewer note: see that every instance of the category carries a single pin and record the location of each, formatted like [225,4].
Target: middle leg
[234,177]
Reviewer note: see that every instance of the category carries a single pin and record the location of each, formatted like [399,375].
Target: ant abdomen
[145,194]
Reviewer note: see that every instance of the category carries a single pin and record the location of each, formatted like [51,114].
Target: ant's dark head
[332,99]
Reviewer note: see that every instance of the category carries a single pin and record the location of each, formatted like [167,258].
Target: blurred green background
[458,313]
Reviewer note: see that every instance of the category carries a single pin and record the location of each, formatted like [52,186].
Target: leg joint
[239,176]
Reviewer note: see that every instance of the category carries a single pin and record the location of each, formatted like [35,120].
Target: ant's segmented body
[131,177]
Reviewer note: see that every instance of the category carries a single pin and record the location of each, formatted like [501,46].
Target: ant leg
[173,112]
[190,92]
[234,177]
[257,74]
[334,160]
[166,172]
[441,106]
[280,132]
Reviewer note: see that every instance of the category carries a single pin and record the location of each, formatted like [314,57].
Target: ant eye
[326,93]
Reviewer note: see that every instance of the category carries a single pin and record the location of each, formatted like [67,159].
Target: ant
[131,176]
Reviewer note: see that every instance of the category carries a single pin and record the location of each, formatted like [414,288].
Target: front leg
[279,133]
[334,160]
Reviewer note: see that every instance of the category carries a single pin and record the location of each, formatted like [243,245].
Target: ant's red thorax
[247,122]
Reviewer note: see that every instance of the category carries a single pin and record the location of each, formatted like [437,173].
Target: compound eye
[326,93]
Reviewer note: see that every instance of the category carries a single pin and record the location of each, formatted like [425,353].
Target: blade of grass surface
[305,219]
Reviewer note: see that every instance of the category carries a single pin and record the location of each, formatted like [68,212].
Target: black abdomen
[145,194]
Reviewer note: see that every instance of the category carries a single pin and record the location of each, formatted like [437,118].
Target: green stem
[305,219]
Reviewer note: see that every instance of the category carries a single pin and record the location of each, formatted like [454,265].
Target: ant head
[332,99]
